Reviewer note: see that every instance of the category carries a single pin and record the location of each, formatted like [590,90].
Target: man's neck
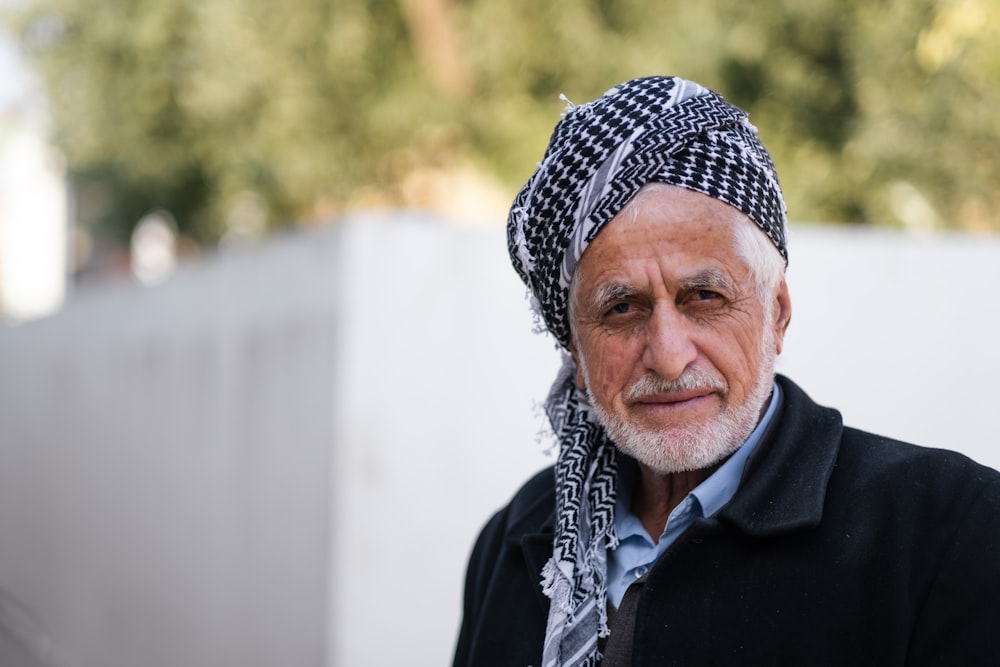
[657,495]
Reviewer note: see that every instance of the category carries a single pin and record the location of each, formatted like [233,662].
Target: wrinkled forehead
[672,232]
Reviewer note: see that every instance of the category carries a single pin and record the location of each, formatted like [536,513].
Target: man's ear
[581,382]
[782,314]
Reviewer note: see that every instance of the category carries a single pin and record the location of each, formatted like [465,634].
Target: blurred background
[264,367]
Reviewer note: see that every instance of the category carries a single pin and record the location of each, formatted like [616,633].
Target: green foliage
[876,111]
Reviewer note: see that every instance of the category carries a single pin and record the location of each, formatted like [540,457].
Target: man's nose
[669,347]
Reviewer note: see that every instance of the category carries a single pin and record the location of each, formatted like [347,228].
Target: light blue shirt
[637,552]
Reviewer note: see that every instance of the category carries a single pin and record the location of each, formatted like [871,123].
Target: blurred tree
[187,106]
[878,111]
[875,111]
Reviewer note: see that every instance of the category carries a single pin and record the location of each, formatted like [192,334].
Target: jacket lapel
[531,533]
[785,481]
[537,550]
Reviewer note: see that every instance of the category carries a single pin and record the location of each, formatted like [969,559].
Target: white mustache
[692,378]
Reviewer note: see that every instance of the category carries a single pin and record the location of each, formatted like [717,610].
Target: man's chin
[666,455]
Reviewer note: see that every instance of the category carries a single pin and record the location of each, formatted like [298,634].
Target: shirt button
[641,571]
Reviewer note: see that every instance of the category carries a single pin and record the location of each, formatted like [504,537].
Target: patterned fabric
[656,129]
[575,578]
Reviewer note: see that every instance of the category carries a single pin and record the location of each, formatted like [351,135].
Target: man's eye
[621,308]
[707,295]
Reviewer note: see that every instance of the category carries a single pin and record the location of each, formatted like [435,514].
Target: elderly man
[703,511]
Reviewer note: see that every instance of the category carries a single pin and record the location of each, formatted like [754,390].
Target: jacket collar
[783,486]
[785,479]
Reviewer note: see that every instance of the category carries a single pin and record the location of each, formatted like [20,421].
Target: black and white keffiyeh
[655,129]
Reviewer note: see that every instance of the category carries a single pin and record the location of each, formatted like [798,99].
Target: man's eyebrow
[709,279]
[608,293]
[602,296]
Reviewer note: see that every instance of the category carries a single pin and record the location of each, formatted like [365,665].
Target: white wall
[282,456]
[899,332]
[164,465]
[438,376]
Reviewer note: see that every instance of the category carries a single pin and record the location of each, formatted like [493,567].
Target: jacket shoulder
[530,510]
[496,620]
[534,500]
[887,460]
[946,508]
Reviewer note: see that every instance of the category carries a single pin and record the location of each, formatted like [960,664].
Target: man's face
[674,345]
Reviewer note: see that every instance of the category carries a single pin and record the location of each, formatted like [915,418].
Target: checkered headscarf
[656,129]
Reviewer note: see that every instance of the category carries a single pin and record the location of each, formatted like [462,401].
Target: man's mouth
[674,397]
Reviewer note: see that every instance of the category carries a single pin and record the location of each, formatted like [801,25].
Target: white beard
[694,445]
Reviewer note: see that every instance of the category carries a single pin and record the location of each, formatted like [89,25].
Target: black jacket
[839,548]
